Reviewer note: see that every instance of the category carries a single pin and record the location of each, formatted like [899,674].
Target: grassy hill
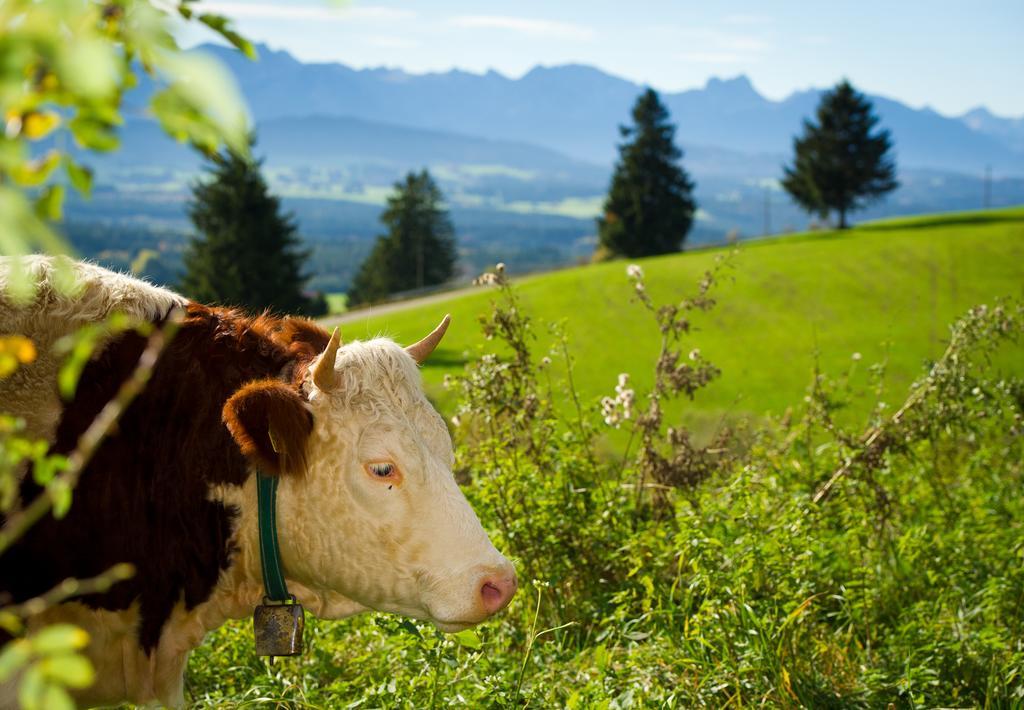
[884,289]
[710,580]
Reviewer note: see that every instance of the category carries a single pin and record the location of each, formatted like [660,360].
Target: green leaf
[9,622]
[79,175]
[469,639]
[208,101]
[93,134]
[88,66]
[69,669]
[222,26]
[56,698]
[35,172]
[30,691]
[46,467]
[71,370]
[60,494]
[58,638]
[39,124]
[13,656]
[410,627]
[50,204]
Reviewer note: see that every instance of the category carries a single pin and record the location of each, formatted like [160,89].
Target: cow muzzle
[497,590]
[490,589]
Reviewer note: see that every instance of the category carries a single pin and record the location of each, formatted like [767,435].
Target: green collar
[270,553]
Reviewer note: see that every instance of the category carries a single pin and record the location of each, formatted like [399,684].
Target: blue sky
[951,56]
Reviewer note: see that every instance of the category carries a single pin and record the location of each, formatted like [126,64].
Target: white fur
[348,542]
[68,295]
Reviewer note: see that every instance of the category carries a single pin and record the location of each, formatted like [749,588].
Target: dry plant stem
[71,588]
[18,523]
[875,433]
[580,419]
[529,646]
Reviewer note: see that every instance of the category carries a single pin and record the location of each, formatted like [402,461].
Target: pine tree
[246,252]
[418,249]
[650,206]
[840,163]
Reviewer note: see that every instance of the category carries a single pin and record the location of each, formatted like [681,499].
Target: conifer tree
[246,252]
[418,249]
[650,206]
[841,163]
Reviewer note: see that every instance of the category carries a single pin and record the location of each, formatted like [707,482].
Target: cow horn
[421,350]
[324,375]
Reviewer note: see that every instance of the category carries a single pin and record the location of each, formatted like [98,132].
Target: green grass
[902,588]
[885,289]
[337,303]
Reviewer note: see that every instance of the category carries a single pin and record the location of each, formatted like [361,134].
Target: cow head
[370,515]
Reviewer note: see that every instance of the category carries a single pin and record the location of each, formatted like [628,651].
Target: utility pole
[419,259]
[767,210]
[987,199]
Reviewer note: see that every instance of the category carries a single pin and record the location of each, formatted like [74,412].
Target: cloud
[525,25]
[321,12]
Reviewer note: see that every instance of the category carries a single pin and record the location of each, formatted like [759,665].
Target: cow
[369,516]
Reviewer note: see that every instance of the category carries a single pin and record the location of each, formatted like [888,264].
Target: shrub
[802,564]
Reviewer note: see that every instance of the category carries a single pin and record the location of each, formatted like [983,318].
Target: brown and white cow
[369,514]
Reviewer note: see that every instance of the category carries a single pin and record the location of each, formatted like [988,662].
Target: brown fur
[144,497]
[270,424]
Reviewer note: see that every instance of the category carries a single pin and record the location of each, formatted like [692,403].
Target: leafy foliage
[64,69]
[247,253]
[841,163]
[650,206]
[65,66]
[418,249]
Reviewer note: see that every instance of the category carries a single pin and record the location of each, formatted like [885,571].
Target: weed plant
[804,563]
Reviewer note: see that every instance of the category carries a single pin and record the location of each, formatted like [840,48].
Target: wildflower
[615,409]
[545,361]
[499,268]
[634,271]
[856,356]
[695,353]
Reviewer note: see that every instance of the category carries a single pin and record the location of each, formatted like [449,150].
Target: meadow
[860,548]
[886,290]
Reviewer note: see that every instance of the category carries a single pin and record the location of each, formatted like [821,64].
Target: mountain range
[523,162]
[576,110]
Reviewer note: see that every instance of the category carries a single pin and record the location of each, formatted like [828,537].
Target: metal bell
[278,629]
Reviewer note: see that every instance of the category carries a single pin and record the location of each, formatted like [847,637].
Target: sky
[950,56]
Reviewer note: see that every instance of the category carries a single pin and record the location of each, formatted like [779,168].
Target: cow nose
[497,591]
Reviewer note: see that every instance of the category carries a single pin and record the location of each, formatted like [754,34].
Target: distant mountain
[576,110]
[524,163]
[321,140]
[1008,130]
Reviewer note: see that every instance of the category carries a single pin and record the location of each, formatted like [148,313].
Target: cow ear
[271,425]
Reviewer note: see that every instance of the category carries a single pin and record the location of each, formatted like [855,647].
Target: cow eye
[381,469]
